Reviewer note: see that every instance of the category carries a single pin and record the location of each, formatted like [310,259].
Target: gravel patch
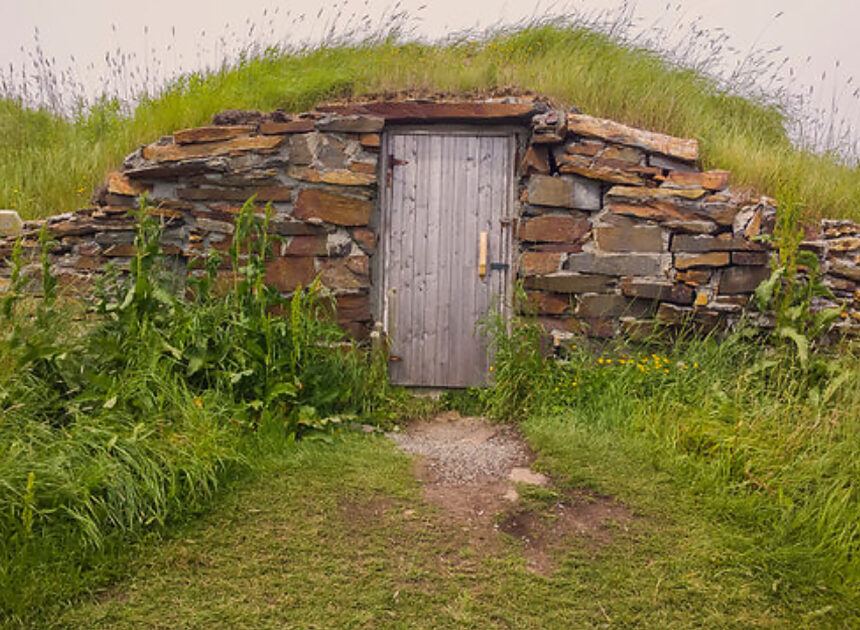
[459,450]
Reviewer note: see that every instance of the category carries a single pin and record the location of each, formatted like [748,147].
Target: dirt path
[482,476]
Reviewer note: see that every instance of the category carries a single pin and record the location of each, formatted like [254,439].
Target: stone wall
[619,228]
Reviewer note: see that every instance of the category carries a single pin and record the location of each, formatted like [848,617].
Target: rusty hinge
[389,171]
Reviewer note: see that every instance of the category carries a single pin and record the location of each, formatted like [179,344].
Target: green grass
[49,165]
[767,444]
[335,535]
[118,421]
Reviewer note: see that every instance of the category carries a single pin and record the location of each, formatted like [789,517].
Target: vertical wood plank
[451,188]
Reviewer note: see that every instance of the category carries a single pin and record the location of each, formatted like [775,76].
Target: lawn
[336,535]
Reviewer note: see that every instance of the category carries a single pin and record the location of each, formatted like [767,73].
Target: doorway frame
[380,306]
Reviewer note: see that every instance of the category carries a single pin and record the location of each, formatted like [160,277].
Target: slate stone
[616,264]
[629,236]
[554,228]
[351,124]
[736,280]
[662,291]
[567,191]
[720,243]
[598,305]
[569,282]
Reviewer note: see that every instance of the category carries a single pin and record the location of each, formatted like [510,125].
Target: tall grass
[758,439]
[50,164]
[119,418]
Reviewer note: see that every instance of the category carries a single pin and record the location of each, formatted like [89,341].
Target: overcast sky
[825,30]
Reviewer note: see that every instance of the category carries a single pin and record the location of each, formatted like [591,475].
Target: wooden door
[444,191]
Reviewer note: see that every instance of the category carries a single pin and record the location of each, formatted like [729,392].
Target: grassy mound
[49,164]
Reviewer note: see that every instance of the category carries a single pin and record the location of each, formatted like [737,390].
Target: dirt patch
[469,468]
[581,517]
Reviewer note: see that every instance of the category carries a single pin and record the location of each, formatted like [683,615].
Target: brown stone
[305,246]
[537,263]
[329,207]
[588,148]
[719,243]
[669,205]
[845,244]
[569,282]
[671,314]
[597,305]
[299,125]
[351,124]
[694,277]
[370,140]
[212,193]
[284,227]
[570,248]
[535,160]
[709,180]
[564,192]
[337,276]
[753,227]
[750,258]
[692,261]
[598,327]
[353,307]
[358,264]
[235,146]
[594,169]
[554,229]
[363,167]
[288,273]
[662,291]
[679,148]
[628,156]
[638,194]
[844,270]
[366,239]
[692,226]
[212,134]
[402,111]
[124,250]
[339,177]
[119,184]
[742,279]
[543,303]
[628,236]
[89,263]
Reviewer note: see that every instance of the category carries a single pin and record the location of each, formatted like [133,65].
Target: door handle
[482,255]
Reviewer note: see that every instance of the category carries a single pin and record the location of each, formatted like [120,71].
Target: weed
[116,427]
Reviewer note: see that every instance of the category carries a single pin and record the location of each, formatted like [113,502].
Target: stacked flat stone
[621,231]
[618,228]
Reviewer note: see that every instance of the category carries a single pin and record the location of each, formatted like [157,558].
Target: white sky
[812,34]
